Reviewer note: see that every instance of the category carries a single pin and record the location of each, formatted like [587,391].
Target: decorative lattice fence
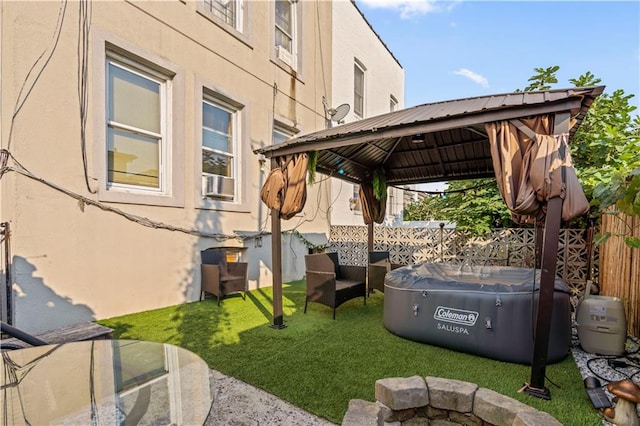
[508,247]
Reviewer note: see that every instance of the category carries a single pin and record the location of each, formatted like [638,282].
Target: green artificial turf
[319,364]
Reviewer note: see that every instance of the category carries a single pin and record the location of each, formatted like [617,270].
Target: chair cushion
[342,284]
[383,263]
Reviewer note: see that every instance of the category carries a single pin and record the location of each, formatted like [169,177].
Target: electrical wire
[322,62]
[84,25]
[82,201]
[21,100]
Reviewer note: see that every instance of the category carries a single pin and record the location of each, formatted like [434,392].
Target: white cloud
[473,76]
[407,8]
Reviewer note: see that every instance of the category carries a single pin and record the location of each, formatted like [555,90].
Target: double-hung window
[285,31]
[219,149]
[137,129]
[227,11]
[358,89]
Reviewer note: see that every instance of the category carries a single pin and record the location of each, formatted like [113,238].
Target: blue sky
[458,49]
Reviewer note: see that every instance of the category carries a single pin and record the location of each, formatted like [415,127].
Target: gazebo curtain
[530,171]
[373,210]
[285,188]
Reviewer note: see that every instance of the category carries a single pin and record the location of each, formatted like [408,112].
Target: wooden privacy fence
[620,266]
[508,247]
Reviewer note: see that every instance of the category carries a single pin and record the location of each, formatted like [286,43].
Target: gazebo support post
[276,265]
[369,238]
[536,386]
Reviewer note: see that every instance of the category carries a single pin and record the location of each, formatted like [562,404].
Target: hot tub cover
[443,276]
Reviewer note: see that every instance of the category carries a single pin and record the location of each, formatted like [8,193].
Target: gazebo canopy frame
[437,142]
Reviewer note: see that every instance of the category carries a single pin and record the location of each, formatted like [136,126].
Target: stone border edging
[435,400]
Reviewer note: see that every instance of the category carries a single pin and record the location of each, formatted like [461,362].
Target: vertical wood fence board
[620,267]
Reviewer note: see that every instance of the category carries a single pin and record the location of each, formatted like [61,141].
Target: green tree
[474,205]
[542,79]
[606,154]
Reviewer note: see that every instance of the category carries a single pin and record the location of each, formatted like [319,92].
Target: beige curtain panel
[373,210]
[285,188]
[529,172]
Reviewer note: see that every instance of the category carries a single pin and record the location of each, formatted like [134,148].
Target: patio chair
[332,284]
[379,265]
[219,277]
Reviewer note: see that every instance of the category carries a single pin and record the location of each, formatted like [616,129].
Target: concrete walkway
[238,404]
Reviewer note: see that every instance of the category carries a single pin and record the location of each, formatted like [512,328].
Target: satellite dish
[337,114]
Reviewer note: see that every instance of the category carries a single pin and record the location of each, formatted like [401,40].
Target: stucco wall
[353,39]
[74,262]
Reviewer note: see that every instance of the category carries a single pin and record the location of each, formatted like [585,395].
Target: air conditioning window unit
[218,186]
[284,55]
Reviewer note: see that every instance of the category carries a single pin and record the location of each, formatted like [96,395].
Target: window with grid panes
[227,11]
[219,141]
[137,130]
[285,19]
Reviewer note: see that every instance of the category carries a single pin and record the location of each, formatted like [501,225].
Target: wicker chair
[332,284]
[379,265]
[219,277]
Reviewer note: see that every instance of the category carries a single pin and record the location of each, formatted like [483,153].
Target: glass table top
[104,382]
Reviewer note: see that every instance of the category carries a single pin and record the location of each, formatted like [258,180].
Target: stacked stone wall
[435,401]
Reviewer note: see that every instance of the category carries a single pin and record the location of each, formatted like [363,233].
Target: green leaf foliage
[474,205]
[379,183]
[633,242]
[311,166]
[601,238]
[542,79]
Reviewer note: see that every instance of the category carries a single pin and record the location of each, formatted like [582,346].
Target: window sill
[287,68]
[220,205]
[122,196]
[238,35]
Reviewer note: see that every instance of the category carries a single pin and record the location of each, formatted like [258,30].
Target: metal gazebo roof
[433,142]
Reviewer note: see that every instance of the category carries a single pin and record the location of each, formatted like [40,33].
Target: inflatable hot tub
[481,310]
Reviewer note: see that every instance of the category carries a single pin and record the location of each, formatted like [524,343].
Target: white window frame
[205,7]
[393,103]
[358,66]
[164,137]
[287,56]
[104,43]
[281,128]
[235,154]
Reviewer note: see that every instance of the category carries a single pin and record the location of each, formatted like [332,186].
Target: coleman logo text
[456,316]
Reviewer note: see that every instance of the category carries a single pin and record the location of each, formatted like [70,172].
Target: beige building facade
[370,79]
[128,131]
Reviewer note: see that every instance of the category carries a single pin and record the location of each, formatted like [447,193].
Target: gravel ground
[236,403]
[591,364]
